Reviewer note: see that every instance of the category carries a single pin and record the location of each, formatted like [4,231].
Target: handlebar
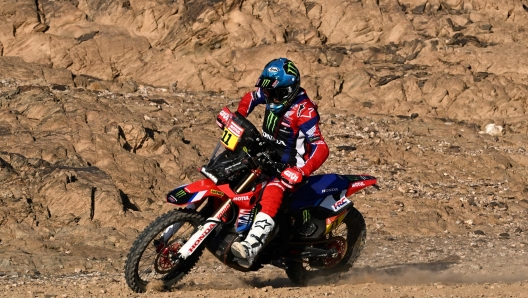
[262,160]
[270,166]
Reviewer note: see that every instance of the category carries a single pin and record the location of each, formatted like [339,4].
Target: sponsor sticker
[271,122]
[265,82]
[235,129]
[204,234]
[172,199]
[291,69]
[271,138]
[231,135]
[340,204]
[217,192]
[358,184]
[224,115]
[291,175]
[306,215]
[314,139]
[334,221]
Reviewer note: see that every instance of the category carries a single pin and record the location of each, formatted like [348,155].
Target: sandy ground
[458,266]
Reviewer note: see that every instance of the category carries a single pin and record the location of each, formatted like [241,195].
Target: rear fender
[358,182]
[194,193]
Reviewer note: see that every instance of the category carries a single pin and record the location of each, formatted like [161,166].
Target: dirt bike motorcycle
[318,231]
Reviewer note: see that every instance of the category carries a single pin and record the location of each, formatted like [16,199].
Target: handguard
[223,117]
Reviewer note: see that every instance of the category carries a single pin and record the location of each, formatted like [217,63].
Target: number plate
[231,135]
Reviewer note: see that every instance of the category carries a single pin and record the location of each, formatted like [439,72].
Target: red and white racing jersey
[294,134]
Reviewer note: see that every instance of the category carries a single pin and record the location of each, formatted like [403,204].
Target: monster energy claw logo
[271,122]
[306,215]
[180,194]
[265,82]
[291,69]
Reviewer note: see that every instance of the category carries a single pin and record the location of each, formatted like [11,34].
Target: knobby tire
[147,237]
[356,236]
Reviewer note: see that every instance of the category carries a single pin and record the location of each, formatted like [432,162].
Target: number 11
[226,137]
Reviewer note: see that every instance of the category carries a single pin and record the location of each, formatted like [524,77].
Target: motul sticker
[358,184]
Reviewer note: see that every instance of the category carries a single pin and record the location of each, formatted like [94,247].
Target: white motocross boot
[250,247]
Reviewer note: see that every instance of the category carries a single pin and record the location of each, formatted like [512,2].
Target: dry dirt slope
[88,147]
[451,208]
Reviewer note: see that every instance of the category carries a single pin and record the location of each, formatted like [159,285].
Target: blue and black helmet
[280,81]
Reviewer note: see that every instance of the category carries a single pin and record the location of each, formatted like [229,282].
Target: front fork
[210,223]
[170,230]
[203,231]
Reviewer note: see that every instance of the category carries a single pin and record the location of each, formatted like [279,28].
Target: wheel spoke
[156,260]
[153,257]
[346,240]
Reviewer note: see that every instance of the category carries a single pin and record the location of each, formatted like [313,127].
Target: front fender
[194,192]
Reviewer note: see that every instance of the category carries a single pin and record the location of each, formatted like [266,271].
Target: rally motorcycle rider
[291,125]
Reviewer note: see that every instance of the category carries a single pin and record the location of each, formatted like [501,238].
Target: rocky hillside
[455,59]
[107,105]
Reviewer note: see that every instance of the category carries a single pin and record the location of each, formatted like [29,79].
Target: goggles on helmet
[277,95]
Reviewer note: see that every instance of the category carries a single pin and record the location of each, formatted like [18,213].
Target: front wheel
[153,256]
[347,240]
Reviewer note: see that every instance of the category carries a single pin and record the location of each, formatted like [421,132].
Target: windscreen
[233,149]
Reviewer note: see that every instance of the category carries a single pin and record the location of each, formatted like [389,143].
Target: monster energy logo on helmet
[180,194]
[291,69]
[271,121]
[265,82]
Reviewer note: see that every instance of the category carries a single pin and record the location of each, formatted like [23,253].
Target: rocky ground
[105,106]
[449,219]
[446,266]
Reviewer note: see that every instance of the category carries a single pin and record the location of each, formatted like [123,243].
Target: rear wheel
[153,256]
[347,240]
